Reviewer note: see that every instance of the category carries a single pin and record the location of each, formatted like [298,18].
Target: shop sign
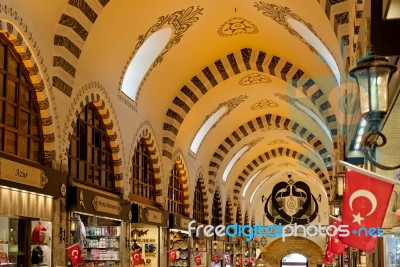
[93,202]
[184,223]
[105,205]
[148,215]
[154,216]
[19,173]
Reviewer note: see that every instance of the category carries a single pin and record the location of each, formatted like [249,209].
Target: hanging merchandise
[39,234]
[228,258]
[37,255]
[80,234]
[3,255]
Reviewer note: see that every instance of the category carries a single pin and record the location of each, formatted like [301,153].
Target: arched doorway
[294,259]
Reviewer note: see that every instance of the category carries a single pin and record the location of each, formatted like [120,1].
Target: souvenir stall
[200,245]
[179,241]
[218,247]
[145,234]
[28,191]
[228,254]
[97,222]
[237,251]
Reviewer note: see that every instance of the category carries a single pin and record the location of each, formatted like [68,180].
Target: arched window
[20,125]
[228,218]
[176,192]
[143,186]
[90,156]
[198,204]
[294,259]
[239,216]
[216,210]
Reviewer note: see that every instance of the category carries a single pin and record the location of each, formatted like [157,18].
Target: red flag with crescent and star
[328,256]
[172,255]
[365,202]
[215,259]
[75,254]
[337,246]
[197,259]
[136,257]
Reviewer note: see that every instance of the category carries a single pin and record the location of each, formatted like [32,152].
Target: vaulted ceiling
[273,71]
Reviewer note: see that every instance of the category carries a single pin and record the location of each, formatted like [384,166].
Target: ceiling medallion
[265,103]
[291,202]
[277,142]
[236,26]
[254,78]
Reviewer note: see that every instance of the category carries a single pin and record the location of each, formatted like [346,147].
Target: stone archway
[276,250]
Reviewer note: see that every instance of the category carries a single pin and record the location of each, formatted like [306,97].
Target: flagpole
[369,173]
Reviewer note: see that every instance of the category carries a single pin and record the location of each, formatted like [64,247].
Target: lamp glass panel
[373,85]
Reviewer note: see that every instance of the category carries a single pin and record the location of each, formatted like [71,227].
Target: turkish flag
[197,259]
[328,256]
[337,246]
[136,257]
[75,254]
[240,261]
[215,259]
[172,255]
[365,203]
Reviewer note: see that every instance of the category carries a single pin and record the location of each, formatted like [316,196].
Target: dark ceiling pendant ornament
[291,202]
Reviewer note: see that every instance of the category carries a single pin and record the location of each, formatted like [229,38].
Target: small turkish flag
[239,261]
[172,255]
[197,259]
[328,256]
[337,246]
[215,259]
[75,254]
[136,257]
[365,202]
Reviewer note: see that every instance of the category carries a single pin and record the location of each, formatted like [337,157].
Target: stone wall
[274,252]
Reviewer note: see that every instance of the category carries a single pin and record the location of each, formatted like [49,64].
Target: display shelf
[102,244]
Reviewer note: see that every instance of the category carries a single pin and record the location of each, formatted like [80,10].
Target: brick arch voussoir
[71,34]
[202,181]
[230,208]
[185,181]
[21,46]
[233,64]
[217,191]
[278,152]
[107,120]
[239,213]
[259,123]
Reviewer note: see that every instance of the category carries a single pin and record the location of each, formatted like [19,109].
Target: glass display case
[391,248]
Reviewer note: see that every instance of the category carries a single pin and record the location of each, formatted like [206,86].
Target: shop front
[218,245]
[29,195]
[201,247]
[98,224]
[179,241]
[146,229]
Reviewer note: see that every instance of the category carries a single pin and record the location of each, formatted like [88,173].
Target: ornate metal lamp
[373,74]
